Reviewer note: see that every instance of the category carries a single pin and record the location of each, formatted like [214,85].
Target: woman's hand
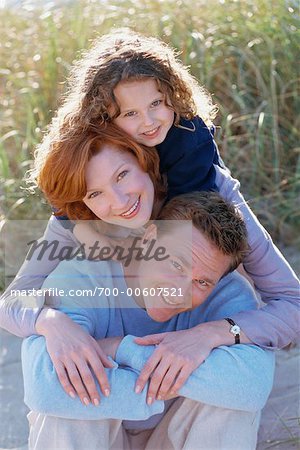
[75,355]
[177,355]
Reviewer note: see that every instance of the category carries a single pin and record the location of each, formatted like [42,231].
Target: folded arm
[237,377]
[44,393]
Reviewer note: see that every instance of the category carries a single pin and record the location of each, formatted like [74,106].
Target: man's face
[186,278]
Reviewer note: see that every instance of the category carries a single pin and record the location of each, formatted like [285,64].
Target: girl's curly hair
[126,55]
[123,55]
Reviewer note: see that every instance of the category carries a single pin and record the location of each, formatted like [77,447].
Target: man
[167,301]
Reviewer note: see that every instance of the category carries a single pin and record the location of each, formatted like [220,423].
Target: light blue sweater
[237,377]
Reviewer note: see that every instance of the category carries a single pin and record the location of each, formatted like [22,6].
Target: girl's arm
[93,240]
[277,323]
[18,313]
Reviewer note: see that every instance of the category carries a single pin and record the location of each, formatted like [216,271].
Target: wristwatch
[235,330]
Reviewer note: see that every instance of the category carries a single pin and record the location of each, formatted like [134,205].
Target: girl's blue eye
[156,102]
[122,174]
[130,114]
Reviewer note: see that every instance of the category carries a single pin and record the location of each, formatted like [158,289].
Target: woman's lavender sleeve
[278,322]
[18,313]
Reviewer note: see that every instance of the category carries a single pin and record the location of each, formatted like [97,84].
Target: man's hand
[75,355]
[177,355]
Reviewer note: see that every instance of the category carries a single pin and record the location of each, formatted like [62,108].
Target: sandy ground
[280,428]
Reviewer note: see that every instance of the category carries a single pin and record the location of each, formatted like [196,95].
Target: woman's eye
[202,283]
[130,114]
[94,194]
[122,175]
[177,265]
[156,102]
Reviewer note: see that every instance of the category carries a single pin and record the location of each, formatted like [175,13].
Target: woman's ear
[149,236]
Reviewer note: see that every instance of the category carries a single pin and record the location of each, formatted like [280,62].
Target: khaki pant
[187,425]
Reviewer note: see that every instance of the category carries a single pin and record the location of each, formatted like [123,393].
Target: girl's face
[118,190]
[144,113]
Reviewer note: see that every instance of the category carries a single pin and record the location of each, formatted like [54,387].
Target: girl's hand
[97,245]
[75,355]
[93,240]
[177,355]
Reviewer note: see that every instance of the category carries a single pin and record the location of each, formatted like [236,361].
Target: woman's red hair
[61,175]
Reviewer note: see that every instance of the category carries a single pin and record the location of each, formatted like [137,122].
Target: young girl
[139,84]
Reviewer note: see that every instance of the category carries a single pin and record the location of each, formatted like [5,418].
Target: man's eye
[201,283]
[94,194]
[130,114]
[122,175]
[177,265]
[156,102]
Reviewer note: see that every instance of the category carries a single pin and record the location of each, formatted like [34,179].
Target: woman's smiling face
[118,190]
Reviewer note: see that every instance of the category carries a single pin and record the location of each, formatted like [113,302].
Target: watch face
[235,329]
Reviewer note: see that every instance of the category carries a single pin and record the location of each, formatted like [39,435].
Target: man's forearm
[229,378]
[44,393]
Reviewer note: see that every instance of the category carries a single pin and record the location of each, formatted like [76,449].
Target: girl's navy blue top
[186,158]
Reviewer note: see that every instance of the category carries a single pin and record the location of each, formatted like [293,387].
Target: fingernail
[86,401]
[71,394]
[106,392]
[96,402]
[159,397]
[138,389]
[149,400]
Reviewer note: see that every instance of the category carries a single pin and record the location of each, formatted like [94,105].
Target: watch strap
[234,329]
